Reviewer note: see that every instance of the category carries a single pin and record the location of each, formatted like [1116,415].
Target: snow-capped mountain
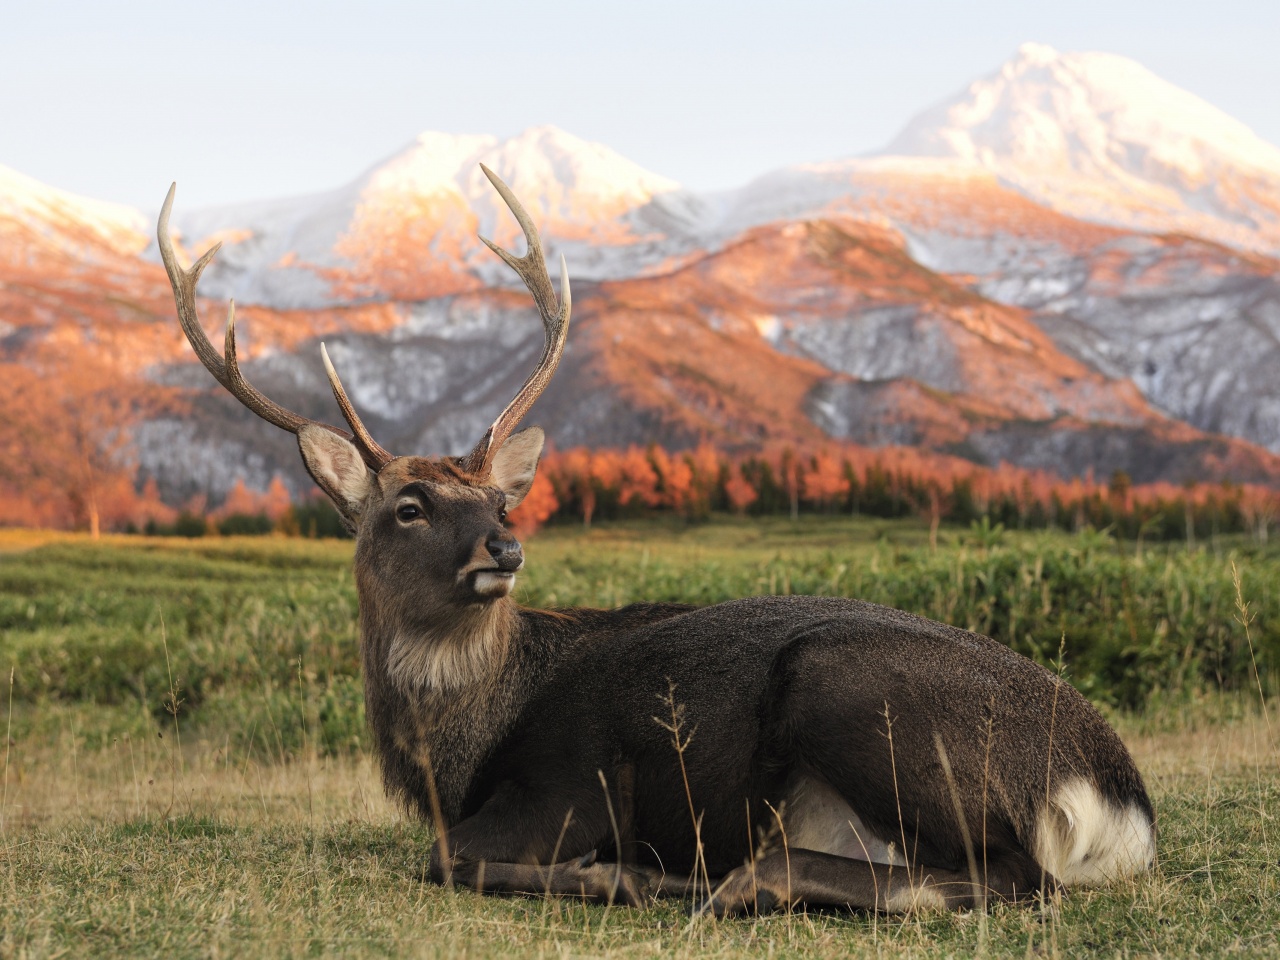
[1092,135]
[406,229]
[1102,138]
[998,283]
[63,219]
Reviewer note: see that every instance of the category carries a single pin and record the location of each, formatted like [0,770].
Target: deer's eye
[502,515]
[408,511]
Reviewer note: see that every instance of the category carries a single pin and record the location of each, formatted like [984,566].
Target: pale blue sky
[241,100]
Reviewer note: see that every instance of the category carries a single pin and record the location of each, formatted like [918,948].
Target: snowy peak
[553,168]
[65,218]
[1090,135]
[571,181]
[1101,137]
[567,184]
[1085,112]
[406,229]
[428,165]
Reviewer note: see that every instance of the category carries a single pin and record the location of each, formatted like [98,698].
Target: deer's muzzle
[506,553]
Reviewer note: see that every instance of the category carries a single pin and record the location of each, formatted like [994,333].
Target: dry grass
[125,832]
[133,848]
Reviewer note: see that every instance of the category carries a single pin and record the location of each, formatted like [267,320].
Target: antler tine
[226,368]
[184,291]
[373,454]
[532,269]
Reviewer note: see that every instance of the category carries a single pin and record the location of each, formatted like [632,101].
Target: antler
[226,370]
[532,269]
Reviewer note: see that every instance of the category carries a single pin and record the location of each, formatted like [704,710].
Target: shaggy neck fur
[455,650]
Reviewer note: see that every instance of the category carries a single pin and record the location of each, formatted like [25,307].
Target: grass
[233,810]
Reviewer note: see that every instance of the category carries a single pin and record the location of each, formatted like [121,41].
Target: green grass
[251,823]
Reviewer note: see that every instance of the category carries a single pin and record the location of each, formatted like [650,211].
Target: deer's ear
[337,467]
[516,463]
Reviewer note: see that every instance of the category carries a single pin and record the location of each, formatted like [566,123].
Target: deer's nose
[506,553]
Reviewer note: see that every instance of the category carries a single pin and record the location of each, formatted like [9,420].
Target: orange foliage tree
[826,480]
[539,504]
[274,503]
[639,483]
[739,491]
[675,480]
[574,471]
[64,445]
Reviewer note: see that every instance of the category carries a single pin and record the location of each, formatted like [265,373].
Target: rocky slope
[797,333]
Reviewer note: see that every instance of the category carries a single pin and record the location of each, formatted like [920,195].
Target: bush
[245,524]
[314,519]
[187,524]
[250,630]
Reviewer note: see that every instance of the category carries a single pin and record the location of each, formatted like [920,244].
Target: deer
[758,754]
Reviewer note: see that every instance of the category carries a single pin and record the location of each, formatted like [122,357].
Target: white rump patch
[1084,840]
[817,818]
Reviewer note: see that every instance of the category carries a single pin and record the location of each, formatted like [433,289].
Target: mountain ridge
[67,219]
[919,300]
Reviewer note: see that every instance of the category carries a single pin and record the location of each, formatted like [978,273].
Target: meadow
[187,773]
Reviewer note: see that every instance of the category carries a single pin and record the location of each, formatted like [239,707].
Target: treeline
[586,486]
[899,482]
[244,512]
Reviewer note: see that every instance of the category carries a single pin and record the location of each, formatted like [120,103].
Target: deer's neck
[441,691]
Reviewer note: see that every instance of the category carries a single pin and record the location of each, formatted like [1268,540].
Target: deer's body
[787,705]
[786,750]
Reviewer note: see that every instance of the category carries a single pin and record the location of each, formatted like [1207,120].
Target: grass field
[186,770]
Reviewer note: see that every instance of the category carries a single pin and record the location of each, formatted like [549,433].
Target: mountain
[930,300]
[406,229]
[68,263]
[1194,324]
[1102,138]
[46,217]
[796,333]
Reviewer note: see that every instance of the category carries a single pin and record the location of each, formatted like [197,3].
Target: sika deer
[830,751]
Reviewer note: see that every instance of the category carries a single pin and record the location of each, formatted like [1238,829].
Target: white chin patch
[494,584]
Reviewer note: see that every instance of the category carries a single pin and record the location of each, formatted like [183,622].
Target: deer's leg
[608,882]
[822,879]
[540,842]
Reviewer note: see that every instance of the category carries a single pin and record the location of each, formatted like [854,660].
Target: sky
[248,99]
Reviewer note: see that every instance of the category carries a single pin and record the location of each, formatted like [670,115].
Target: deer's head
[431,526]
